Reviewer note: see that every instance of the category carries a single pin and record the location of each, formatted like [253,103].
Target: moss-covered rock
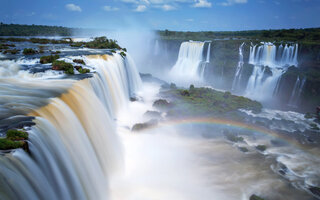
[62,65]
[11,51]
[202,101]
[82,70]
[14,139]
[255,197]
[14,134]
[232,137]
[123,54]
[29,51]
[48,59]
[79,61]
[102,43]
[243,149]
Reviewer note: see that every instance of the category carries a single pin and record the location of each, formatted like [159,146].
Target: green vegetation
[243,149]
[123,54]
[14,134]
[255,197]
[102,43]
[11,51]
[29,51]
[34,30]
[48,59]
[14,139]
[79,61]
[232,137]
[62,65]
[200,101]
[307,35]
[82,70]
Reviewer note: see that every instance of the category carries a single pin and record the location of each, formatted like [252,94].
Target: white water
[262,86]
[237,75]
[268,54]
[296,92]
[208,52]
[190,64]
[74,145]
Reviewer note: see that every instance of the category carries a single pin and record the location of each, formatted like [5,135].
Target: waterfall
[74,146]
[262,84]
[237,76]
[208,53]
[189,65]
[296,92]
[268,54]
[114,74]
[156,48]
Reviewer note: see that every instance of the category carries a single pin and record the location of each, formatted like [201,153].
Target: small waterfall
[189,65]
[208,53]
[237,76]
[74,146]
[270,55]
[296,92]
[156,48]
[264,86]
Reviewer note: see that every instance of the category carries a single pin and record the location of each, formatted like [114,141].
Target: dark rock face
[162,104]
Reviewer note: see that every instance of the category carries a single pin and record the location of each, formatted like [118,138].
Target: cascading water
[122,73]
[190,63]
[296,92]
[270,62]
[237,76]
[70,157]
[208,53]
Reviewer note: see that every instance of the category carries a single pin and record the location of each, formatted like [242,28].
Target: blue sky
[193,15]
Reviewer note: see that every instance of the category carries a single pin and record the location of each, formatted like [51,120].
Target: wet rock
[243,149]
[232,137]
[315,191]
[162,104]
[79,61]
[142,126]
[261,147]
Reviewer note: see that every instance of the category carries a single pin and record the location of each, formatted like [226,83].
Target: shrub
[14,134]
[62,65]
[80,61]
[48,59]
[29,51]
[123,54]
[6,144]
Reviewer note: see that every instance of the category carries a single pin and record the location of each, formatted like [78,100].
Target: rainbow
[230,123]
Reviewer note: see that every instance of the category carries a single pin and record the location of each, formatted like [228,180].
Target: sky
[180,15]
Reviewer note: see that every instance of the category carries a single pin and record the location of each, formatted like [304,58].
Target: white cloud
[109,8]
[140,8]
[167,7]
[202,4]
[189,20]
[232,2]
[73,7]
